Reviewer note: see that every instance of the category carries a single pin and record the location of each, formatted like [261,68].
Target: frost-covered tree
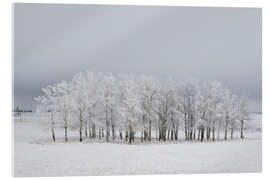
[131,107]
[243,115]
[130,103]
[63,102]
[79,101]
[213,96]
[109,101]
[48,103]
[93,95]
[188,93]
[229,111]
[148,89]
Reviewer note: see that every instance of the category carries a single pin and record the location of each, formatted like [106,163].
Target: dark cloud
[53,42]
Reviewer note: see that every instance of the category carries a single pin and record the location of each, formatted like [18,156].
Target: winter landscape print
[123,90]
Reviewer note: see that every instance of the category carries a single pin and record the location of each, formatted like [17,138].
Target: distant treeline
[21,110]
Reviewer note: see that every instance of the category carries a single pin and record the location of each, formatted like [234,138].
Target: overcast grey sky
[53,42]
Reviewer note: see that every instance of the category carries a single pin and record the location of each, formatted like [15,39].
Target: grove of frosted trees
[130,108]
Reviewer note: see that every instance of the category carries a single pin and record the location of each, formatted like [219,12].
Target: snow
[36,155]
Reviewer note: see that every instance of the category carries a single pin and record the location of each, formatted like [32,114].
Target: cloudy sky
[53,42]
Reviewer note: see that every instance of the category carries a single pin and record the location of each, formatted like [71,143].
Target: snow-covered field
[34,155]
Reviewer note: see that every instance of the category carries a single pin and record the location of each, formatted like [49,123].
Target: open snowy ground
[35,157]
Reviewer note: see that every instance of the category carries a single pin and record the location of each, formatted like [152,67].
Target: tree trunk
[113,128]
[65,119]
[52,121]
[130,134]
[172,134]
[208,133]
[190,134]
[150,130]
[176,131]
[186,126]
[202,134]
[218,130]
[157,133]
[93,130]
[107,124]
[89,129]
[226,126]
[145,135]
[165,130]
[199,133]
[191,128]
[53,136]
[66,139]
[232,132]
[176,135]
[113,133]
[242,129]
[102,132]
[120,134]
[126,135]
[213,131]
[186,135]
[85,129]
[81,125]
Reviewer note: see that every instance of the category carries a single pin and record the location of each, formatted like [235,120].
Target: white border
[224,3]
[6,80]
